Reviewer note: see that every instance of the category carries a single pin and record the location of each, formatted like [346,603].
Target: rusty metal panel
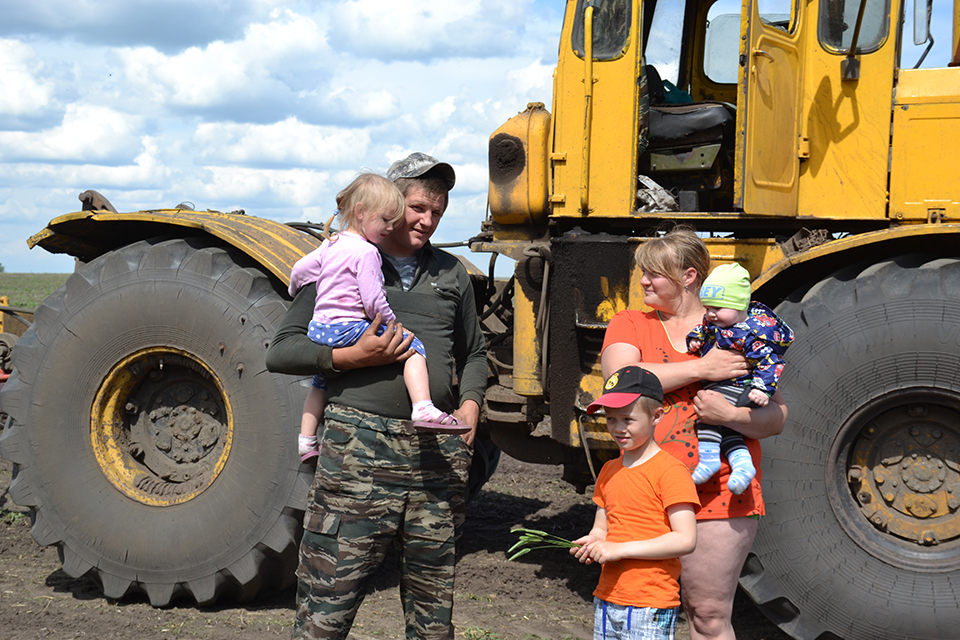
[590,283]
[88,234]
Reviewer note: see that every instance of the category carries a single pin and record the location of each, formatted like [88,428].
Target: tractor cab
[777,109]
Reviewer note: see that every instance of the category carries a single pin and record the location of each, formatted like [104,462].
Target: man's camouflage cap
[419,164]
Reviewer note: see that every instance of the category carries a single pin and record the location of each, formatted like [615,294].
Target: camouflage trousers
[378,483]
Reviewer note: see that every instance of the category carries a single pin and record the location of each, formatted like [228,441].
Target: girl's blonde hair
[367,193]
[672,254]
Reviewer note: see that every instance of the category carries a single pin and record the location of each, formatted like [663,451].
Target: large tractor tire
[153,446]
[862,534]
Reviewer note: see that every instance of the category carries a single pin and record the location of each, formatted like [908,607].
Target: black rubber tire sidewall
[188,296]
[858,334]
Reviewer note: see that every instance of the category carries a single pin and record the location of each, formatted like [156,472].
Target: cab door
[768,109]
[595,110]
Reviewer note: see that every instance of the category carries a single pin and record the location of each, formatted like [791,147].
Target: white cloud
[263,105]
[439,112]
[145,170]
[472,178]
[535,76]
[235,186]
[22,94]
[355,105]
[289,142]
[390,29]
[88,132]
[460,144]
[168,25]
[260,66]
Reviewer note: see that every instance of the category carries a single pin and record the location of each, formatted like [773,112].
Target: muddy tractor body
[157,452]
[799,142]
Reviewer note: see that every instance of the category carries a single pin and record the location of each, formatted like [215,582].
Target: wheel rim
[893,479]
[161,426]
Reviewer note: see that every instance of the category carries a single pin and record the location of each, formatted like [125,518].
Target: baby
[732,321]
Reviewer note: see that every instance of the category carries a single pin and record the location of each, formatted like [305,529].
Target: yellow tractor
[799,142]
[793,136]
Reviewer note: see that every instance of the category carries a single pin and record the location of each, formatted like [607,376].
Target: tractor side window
[611,28]
[662,48]
[776,13]
[838,21]
[721,55]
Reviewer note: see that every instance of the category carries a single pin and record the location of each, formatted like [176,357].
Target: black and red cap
[625,386]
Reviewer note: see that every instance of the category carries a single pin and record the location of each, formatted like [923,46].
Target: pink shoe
[444,423]
[308,448]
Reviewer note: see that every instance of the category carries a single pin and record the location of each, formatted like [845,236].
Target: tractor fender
[87,235]
[783,277]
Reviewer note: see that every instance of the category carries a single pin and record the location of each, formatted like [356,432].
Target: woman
[674,267]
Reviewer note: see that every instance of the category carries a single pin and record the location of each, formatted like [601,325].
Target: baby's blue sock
[709,461]
[742,470]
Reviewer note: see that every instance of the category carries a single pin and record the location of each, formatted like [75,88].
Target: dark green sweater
[439,308]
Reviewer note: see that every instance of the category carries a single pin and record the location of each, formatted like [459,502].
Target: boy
[732,321]
[646,506]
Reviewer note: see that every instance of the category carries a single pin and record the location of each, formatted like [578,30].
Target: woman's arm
[717,364]
[751,422]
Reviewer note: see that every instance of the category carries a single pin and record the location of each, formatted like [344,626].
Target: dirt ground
[546,594]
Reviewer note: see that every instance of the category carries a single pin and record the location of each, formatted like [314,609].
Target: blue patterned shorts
[344,334]
[617,622]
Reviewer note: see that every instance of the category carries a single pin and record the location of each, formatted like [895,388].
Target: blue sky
[262,105]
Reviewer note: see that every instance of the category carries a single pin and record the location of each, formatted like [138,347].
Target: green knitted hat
[728,287]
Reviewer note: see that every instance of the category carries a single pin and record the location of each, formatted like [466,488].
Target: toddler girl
[347,271]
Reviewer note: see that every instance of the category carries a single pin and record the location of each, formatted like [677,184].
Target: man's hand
[468,413]
[372,350]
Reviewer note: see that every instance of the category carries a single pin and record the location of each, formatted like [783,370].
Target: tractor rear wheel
[862,534]
[153,446]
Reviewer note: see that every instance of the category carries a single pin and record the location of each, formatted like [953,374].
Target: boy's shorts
[618,622]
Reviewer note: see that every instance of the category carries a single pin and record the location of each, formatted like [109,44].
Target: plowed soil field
[546,594]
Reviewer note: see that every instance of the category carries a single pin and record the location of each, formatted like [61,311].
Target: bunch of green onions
[531,539]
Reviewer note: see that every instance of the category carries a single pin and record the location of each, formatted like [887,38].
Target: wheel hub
[161,427]
[901,471]
[897,465]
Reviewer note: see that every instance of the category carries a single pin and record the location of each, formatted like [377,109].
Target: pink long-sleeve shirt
[348,273]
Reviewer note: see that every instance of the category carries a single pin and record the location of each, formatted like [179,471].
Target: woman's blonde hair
[672,254]
[368,192]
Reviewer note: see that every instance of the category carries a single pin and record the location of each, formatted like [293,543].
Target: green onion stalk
[531,539]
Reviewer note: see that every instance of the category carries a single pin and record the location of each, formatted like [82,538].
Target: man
[379,481]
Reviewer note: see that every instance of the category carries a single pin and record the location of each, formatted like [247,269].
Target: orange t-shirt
[636,501]
[676,433]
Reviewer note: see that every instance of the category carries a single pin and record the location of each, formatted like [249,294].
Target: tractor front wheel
[153,446]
